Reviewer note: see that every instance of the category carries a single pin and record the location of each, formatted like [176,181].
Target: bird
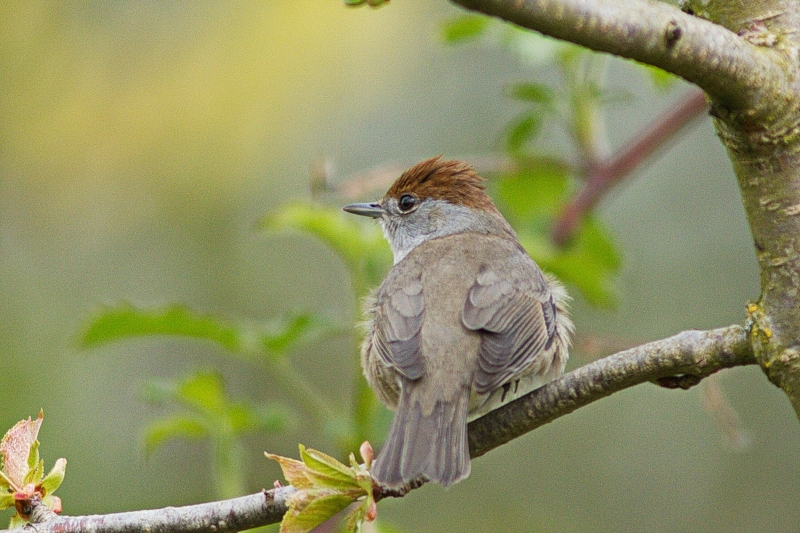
[463,322]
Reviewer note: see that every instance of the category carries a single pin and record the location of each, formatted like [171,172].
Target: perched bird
[463,322]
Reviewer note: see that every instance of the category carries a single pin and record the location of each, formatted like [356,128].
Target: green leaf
[588,262]
[327,471]
[533,194]
[661,79]
[246,417]
[359,243]
[6,500]
[123,322]
[16,521]
[371,3]
[292,329]
[464,28]
[532,92]
[36,473]
[522,130]
[326,486]
[342,232]
[310,507]
[173,427]
[532,47]
[203,390]
[597,243]
[278,337]
[55,477]
[366,510]
[34,463]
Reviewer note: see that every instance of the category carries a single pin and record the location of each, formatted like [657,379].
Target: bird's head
[432,199]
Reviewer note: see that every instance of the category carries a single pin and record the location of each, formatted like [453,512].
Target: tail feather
[434,445]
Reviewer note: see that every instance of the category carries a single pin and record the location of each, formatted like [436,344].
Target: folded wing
[517,315]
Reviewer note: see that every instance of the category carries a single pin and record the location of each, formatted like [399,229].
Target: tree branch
[730,69]
[602,175]
[695,353]
[691,353]
[227,516]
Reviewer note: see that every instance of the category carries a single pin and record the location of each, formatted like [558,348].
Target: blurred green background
[140,142]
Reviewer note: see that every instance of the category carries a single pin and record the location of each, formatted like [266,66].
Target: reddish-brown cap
[453,181]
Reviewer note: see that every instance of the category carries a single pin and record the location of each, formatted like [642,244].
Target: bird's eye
[407,202]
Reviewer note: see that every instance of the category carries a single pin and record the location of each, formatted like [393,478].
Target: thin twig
[227,516]
[605,174]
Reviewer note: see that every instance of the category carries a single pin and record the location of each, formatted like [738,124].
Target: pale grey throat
[429,220]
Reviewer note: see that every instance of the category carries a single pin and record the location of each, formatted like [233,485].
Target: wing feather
[516,313]
[396,338]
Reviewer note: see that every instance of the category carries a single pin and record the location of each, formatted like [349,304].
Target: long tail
[434,446]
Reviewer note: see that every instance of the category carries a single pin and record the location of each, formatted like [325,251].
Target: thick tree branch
[731,70]
[694,353]
[691,353]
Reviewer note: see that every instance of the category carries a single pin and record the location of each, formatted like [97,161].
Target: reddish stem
[602,175]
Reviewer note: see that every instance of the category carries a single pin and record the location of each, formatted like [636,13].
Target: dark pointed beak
[367,210]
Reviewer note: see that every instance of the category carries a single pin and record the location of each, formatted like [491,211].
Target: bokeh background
[141,141]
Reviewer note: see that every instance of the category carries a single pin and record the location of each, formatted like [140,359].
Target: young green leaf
[22,471]
[55,477]
[358,243]
[522,130]
[292,329]
[661,79]
[326,471]
[204,391]
[211,413]
[464,27]
[118,323]
[325,487]
[534,192]
[17,521]
[311,507]
[6,500]
[588,262]
[165,429]
[294,471]
[371,3]
[537,93]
